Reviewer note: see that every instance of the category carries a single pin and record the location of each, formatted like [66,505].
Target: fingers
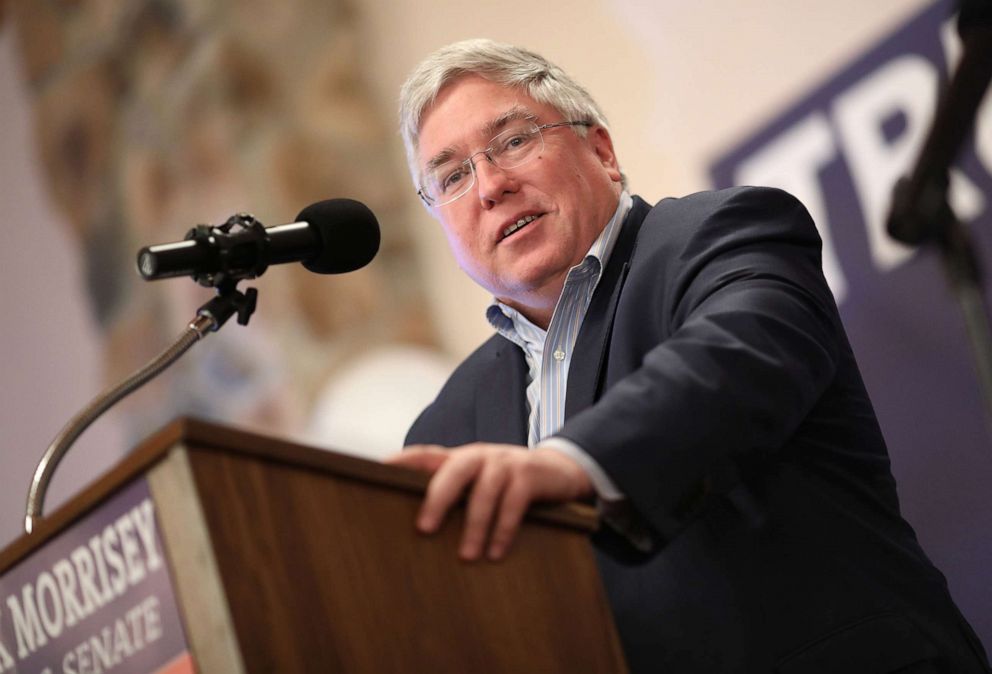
[426,458]
[487,495]
[538,475]
[488,471]
[504,480]
[516,500]
[446,487]
[504,488]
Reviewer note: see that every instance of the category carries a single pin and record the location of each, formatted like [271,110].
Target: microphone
[328,237]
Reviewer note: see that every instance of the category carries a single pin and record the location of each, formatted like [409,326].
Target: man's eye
[515,142]
[452,179]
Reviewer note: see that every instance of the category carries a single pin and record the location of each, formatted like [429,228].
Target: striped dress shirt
[549,353]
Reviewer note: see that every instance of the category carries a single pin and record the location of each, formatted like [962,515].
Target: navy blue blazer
[713,381]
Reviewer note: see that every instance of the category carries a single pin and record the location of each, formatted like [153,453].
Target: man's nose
[492,182]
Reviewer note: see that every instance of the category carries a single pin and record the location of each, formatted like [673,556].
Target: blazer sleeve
[726,336]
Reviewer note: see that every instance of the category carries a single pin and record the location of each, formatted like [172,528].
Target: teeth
[518,224]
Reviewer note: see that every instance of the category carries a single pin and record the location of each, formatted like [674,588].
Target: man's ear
[602,144]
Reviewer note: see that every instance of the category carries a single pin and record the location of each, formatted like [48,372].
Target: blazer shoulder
[714,200]
[681,227]
[745,202]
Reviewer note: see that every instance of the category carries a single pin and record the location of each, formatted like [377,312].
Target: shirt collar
[602,247]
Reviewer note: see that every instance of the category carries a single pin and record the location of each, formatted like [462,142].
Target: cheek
[462,246]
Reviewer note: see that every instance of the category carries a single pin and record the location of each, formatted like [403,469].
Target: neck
[539,311]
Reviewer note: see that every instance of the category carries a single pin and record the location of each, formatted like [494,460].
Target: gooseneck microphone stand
[209,318]
[921,213]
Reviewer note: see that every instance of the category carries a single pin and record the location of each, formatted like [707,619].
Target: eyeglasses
[446,182]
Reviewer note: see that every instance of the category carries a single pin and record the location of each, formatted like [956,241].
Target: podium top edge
[199,435]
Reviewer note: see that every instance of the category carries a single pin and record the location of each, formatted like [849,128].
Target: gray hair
[505,64]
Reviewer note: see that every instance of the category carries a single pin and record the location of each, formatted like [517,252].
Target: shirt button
[559,355]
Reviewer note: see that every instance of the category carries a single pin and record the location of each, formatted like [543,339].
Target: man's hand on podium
[501,480]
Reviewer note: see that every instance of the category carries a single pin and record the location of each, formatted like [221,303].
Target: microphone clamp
[229,243]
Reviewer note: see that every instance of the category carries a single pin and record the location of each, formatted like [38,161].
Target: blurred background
[124,124]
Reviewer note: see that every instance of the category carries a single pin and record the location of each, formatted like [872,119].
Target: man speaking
[684,365]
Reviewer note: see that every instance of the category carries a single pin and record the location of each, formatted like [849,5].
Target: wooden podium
[283,558]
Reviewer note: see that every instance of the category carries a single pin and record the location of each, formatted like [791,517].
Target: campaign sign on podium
[95,598]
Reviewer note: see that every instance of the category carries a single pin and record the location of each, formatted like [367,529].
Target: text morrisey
[92,575]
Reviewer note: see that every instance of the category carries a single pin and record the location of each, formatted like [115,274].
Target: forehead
[465,113]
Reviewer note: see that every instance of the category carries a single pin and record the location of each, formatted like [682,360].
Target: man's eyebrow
[514,114]
[440,158]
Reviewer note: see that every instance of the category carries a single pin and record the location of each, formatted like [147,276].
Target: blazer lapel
[501,409]
[588,366]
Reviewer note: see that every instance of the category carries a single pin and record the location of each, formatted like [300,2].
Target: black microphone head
[348,232]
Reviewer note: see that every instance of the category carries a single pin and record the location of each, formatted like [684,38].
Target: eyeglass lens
[508,149]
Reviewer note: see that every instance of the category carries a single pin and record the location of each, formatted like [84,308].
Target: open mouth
[519,224]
